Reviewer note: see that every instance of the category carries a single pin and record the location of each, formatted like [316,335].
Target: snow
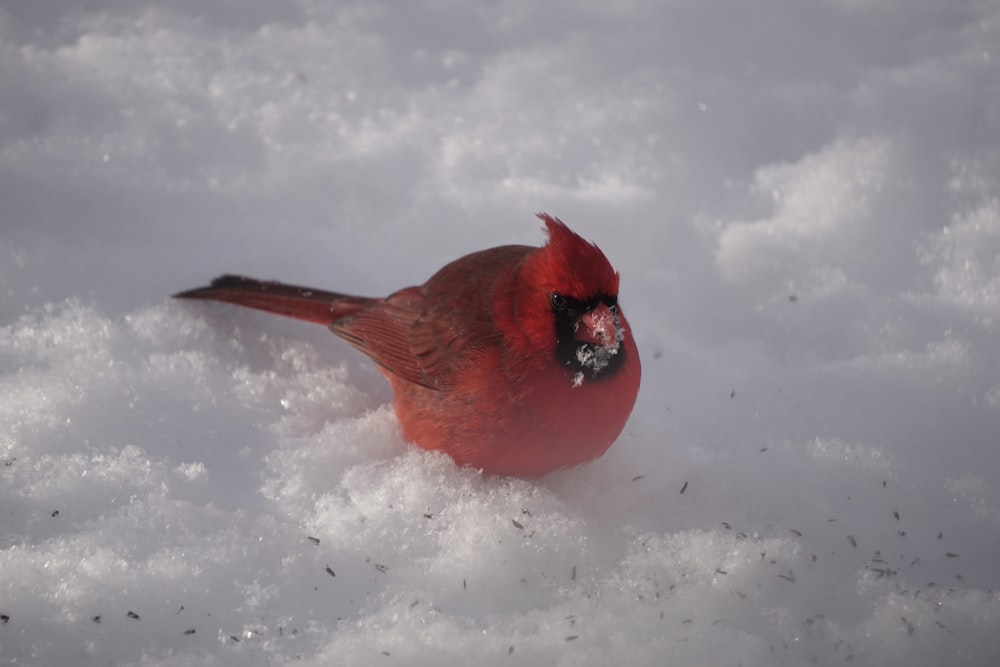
[802,199]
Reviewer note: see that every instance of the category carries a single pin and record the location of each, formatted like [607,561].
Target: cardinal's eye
[558,301]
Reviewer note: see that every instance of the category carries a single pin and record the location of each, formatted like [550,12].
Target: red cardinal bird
[514,360]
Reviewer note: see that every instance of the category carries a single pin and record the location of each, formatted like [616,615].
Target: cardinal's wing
[402,336]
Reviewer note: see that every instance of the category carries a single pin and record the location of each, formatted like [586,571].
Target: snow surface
[802,198]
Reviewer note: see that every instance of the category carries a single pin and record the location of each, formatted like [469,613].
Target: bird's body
[515,360]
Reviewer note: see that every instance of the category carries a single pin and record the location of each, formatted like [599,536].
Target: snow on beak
[600,326]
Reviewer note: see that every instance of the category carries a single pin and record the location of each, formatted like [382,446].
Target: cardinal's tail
[303,303]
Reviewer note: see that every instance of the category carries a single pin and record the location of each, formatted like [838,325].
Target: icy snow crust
[803,204]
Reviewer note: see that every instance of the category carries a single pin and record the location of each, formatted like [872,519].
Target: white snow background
[804,204]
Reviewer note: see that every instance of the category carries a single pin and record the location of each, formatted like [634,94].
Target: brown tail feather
[303,303]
